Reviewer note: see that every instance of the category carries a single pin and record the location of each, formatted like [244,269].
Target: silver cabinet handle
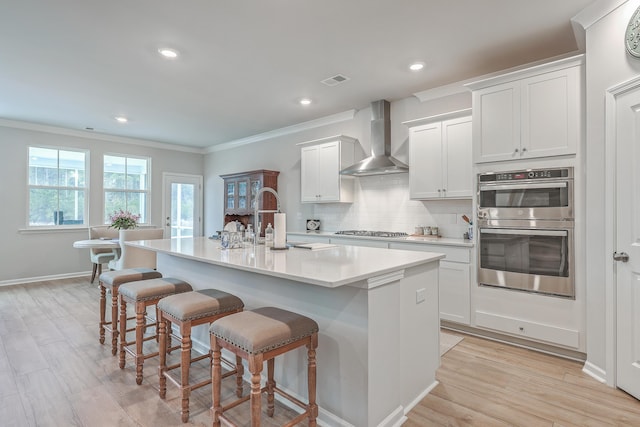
[516,150]
[524,149]
[622,256]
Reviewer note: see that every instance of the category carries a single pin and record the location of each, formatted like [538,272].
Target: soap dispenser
[268,236]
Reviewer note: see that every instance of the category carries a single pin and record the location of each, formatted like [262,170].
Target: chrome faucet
[257,211]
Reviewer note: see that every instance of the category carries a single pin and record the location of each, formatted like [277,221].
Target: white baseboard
[26,280]
[595,372]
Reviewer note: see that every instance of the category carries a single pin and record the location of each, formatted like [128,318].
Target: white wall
[380,202]
[26,255]
[607,64]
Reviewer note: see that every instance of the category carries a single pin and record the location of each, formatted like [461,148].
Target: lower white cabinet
[455,280]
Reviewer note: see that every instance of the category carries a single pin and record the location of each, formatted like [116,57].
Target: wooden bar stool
[187,310]
[112,280]
[143,294]
[257,336]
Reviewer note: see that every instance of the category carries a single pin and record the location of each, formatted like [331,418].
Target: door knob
[622,256]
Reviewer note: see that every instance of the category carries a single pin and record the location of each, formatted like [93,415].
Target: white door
[628,242]
[182,205]
[425,161]
[457,157]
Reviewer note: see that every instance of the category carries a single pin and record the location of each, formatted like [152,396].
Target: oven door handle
[491,187]
[561,233]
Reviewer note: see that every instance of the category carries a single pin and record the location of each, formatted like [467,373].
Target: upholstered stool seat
[187,310]
[257,336]
[143,294]
[112,280]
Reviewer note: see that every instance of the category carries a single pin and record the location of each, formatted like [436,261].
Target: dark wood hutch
[239,196]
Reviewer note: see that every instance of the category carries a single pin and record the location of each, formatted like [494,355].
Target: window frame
[85,188]
[147,192]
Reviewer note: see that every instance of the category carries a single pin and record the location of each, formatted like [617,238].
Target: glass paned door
[182,206]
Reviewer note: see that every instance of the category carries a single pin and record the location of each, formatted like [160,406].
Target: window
[126,186]
[57,186]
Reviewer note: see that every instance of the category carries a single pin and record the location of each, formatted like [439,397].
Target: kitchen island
[377,310]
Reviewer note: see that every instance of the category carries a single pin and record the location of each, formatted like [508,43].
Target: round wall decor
[632,35]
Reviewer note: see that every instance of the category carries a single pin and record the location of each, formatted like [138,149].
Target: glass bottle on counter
[268,236]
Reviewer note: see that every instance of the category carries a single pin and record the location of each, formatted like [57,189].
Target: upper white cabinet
[321,162]
[440,156]
[535,112]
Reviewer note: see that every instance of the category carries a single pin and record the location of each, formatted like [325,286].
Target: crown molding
[97,136]
[311,124]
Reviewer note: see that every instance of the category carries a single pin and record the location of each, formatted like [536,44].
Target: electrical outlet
[421,295]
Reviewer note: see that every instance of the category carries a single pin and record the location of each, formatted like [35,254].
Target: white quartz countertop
[336,266]
[431,240]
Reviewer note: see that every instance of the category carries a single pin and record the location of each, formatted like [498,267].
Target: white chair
[131,257]
[101,256]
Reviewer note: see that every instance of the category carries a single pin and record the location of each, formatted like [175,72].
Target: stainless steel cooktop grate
[369,233]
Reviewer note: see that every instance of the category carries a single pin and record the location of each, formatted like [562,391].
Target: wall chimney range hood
[380,162]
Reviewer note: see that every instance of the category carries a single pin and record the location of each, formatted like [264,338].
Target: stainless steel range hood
[380,162]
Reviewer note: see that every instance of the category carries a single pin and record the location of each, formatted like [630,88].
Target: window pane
[114,172]
[136,174]
[71,166]
[113,201]
[72,206]
[43,203]
[136,204]
[43,166]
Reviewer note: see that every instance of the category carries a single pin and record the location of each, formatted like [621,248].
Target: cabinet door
[454,292]
[550,106]
[329,172]
[243,196]
[230,197]
[457,179]
[309,167]
[425,161]
[496,123]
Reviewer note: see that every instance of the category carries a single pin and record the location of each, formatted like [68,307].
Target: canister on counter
[419,230]
[427,231]
[434,231]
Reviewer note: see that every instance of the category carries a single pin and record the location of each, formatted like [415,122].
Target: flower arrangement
[122,220]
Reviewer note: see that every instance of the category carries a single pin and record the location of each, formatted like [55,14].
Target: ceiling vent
[335,80]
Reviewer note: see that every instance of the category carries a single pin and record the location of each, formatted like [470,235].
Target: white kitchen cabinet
[535,112]
[455,280]
[440,157]
[321,161]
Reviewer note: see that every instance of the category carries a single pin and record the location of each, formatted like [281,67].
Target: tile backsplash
[382,203]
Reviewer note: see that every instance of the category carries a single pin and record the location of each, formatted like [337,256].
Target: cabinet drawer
[529,330]
[453,254]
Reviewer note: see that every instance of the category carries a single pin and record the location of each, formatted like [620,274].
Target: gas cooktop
[368,233]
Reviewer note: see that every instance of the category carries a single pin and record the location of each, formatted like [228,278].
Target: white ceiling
[244,64]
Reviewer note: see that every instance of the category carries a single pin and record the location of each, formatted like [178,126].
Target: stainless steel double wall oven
[525,231]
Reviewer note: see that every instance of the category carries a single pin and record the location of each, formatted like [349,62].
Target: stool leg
[216,379]
[123,330]
[103,305]
[114,320]
[239,374]
[185,364]
[271,384]
[255,367]
[140,326]
[311,379]
[162,353]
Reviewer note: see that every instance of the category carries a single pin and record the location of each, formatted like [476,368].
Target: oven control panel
[526,174]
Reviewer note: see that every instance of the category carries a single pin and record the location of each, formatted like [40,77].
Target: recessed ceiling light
[305,101]
[416,66]
[121,119]
[168,53]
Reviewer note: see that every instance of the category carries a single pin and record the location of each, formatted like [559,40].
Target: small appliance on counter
[313,226]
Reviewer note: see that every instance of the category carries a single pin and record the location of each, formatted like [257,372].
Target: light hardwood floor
[53,372]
